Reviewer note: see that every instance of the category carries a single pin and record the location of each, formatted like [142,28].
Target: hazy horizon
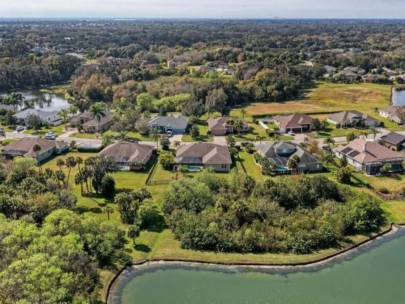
[208,9]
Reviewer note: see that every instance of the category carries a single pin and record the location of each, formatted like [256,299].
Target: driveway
[220,139]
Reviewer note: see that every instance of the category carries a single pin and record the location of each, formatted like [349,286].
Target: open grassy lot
[328,97]
[135,135]
[203,128]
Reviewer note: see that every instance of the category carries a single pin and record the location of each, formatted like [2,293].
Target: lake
[45,101]
[375,275]
[398,97]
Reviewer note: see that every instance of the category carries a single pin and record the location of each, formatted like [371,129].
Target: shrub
[108,186]
[167,161]
[384,190]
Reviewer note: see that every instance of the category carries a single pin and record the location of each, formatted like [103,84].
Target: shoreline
[144,265]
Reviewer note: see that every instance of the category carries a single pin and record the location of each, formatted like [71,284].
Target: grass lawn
[396,211]
[57,129]
[203,127]
[135,135]
[249,163]
[328,97]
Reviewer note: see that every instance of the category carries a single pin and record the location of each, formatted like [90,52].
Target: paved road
[299,138]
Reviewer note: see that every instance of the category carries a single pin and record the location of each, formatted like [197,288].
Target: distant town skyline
[203,9]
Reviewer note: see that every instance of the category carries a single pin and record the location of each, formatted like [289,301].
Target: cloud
[204,9]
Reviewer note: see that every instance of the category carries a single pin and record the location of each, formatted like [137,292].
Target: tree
[70,163]
[373,131]
[144,102]
[37,148]
[97,111]
[133,232]
[195,132]
[239,125]
[165,142]
[293,163]
[60,163]
[34,121]
[64,114]
[350,137]
[108,210]
[385,169]
[230,141]
[344,174]
[15,100]
[155,134]
[108,186]
[329,141]
[167,161]
[243,112]
[216,101]
[107,140]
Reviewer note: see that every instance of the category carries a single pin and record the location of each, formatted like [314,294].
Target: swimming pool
[194,168]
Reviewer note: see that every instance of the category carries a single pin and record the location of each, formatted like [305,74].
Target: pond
[398,97]
[374,275]
[48,101]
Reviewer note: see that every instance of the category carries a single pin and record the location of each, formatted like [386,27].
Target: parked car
[19,129]
[291,133]
[50,136]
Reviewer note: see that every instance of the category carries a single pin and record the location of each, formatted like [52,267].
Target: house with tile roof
[128,156]
[279,152]
[204,155]
[221,126]
[25,147]
[370,156]
[92,125]
[297,123]
[352,119]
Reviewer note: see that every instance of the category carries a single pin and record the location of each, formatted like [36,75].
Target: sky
[202,8]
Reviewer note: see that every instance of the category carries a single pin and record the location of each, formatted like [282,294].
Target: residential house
[393,141]
[225,125]
[204,155]
[24,147]
[92,125]
[394,113]
[280,152]
[128,156]
[353,118]
[330,70]
[169,124]
[390,72]
[370,156]
[298,123]
[47,115]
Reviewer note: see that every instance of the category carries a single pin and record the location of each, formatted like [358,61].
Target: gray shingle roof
[393,138]
[179,122]
[274,152]
[203,153]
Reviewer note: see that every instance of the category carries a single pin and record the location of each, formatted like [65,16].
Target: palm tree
[329,141]
[155,135]
[64,114]
[97,111]
[231,122]
[37,149]
[108,210]
[133,232]
[60,163]
[243,112]
[79,162]
[15,99]
[293,163]
[177,143]
[108,139]
[239,125]
[79,181]
[373,131]
[70,163]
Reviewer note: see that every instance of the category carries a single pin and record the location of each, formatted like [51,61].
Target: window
[224,166]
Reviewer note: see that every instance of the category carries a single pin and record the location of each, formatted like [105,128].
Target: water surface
[398,97]
[376,275]
[46,101]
